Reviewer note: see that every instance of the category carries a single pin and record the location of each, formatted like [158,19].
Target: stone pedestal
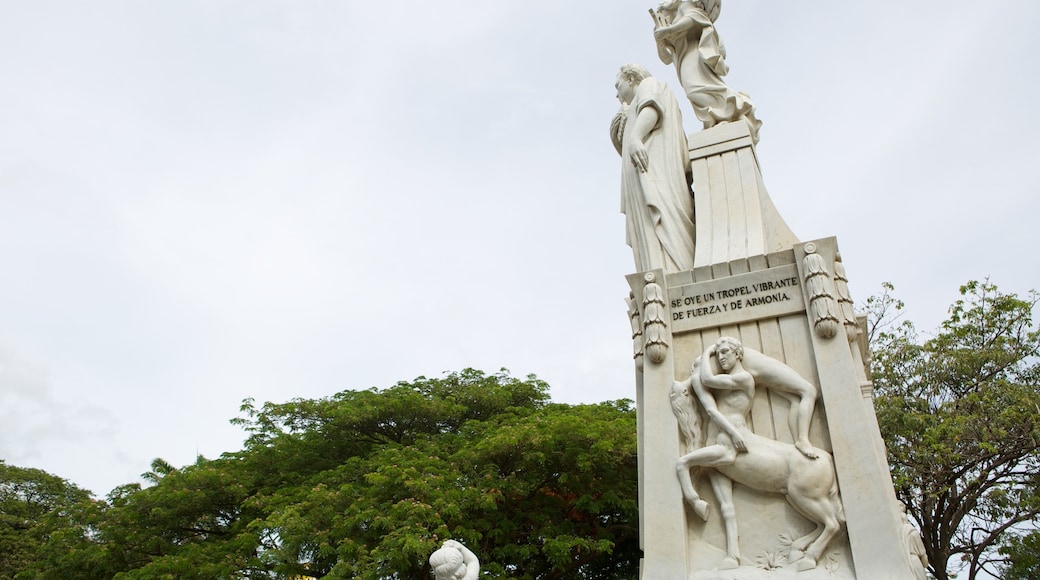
[754,281]
[734,216]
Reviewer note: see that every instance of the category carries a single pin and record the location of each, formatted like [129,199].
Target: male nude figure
[784,381]
[726,398]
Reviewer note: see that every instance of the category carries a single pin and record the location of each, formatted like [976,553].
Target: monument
[759,451]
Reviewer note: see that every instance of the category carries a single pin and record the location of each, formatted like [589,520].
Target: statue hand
[738,442]
[640,158]
[662,33]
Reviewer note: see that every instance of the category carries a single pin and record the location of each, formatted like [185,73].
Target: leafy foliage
[27,497]
[1023,557]
[960,413]
[366,484]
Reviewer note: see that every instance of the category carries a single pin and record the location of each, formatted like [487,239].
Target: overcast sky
[205,201]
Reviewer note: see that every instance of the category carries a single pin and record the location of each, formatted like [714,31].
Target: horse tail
[839,507]
[685,411]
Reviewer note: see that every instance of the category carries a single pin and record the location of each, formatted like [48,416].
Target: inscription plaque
[739,298]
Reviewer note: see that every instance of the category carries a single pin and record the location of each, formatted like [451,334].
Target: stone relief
[453,561]
[848,312]
[781,379]
[655,194]
[686,37]
[731,452]
[820,286]
[655,327]
[637,330]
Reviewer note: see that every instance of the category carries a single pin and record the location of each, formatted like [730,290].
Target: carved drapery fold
[655,341]
[848,313]
[820,286]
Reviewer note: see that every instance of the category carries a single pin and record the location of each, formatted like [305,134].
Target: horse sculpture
[732,453]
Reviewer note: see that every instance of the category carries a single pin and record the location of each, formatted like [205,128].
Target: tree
[1023,557]
[960,413]
[27,497]
[366,484]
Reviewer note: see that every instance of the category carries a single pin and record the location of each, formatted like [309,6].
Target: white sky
[206,201]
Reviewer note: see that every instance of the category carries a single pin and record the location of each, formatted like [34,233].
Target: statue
[655,194]
[916,555]
[686,36]
[733,453]
[453,561]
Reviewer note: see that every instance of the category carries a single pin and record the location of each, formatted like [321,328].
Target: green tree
[27,497]
[960,413]
[366,484]
[1023,557]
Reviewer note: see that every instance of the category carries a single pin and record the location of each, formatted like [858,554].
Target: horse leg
[704,457]
[723,488]
[824,512]
[799,546]
[700,507]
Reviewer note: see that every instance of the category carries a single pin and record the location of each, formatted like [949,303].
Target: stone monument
[759,451]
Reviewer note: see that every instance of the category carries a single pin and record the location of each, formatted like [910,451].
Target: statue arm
[468,558]
[681,24]
[646,121]
[665,52]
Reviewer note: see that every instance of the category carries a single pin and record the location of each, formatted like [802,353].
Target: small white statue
[916,555]
[453,561]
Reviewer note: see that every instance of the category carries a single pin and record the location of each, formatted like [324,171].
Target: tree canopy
[960,413]
[366,484]
[28,498]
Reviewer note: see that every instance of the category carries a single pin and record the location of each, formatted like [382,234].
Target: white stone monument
[759,450]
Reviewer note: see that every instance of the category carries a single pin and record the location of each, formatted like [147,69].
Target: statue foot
[807,449]
[805,564]
[700,507]
[729,563]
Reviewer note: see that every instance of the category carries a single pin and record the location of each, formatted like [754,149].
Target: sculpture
[916,555]
[800,394]
[733,453]
[453,561]
[655,194]
[686,36]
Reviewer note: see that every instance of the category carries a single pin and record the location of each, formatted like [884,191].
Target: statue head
[628,78]
[448,564]
[728,350]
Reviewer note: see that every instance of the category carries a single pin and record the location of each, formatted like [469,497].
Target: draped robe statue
[686,36]
[655,193]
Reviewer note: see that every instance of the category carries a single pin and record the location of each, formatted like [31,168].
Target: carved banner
[739,298]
